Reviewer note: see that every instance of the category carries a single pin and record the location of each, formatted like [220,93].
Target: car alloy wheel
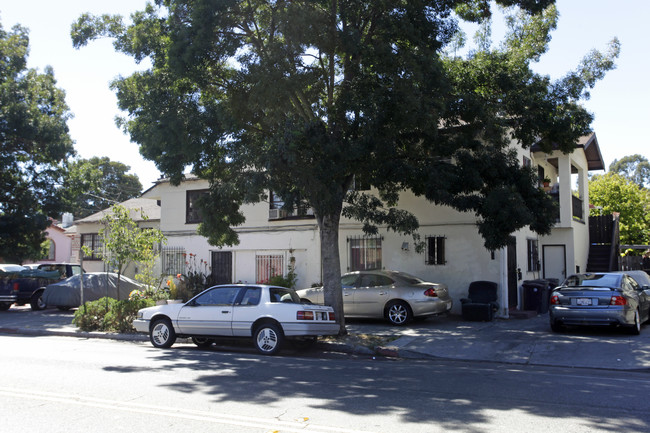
[162,334]
[399,313]
[268,339]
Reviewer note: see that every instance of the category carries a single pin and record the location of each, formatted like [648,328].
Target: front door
[222,267]
[554,262]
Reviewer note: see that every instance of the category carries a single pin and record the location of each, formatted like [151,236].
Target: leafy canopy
[300,97]
[34,144]
[611,193]
[98,183]
[633,167]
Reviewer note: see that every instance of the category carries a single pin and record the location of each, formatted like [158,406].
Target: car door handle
[225,311]
[346,294]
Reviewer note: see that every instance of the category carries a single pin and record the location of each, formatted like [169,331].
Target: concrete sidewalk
[514,341]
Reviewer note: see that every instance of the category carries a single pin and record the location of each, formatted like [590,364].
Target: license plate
[583,301]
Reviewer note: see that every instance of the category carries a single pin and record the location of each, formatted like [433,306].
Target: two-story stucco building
[271,239]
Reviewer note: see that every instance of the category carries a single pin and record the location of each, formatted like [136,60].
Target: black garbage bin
[536,295]
[531,295]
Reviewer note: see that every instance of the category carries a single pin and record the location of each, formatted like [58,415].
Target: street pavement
[515,341]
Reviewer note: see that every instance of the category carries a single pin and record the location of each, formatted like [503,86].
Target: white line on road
[274,425]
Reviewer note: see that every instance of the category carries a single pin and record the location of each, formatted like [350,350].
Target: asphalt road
[67,384]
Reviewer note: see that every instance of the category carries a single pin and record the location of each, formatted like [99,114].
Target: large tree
[613,192]
[305,98]
[98,183]
[34,144]
[633,167]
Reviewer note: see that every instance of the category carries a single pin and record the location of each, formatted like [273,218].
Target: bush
[108,314]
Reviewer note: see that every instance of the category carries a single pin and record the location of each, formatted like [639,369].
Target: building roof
[592,152]
[589,144]
[149,207]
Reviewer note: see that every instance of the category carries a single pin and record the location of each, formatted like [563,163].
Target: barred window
[173,260]
[533,255]
[94,242]
[268,266]
[435,250]
[364,253]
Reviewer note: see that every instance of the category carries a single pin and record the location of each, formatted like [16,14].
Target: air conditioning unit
[276,214]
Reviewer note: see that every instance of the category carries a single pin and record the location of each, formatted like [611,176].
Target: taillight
[617,300]
[305,315]
[555,300]
[430,293]
[331,316]
[16,287]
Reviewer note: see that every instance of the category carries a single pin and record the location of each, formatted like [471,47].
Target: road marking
[268,424]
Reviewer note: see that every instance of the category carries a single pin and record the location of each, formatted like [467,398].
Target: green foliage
[34,143]
[283,281]
[196,279]
[633,167]
[108,314]
[611,193]
[96,184]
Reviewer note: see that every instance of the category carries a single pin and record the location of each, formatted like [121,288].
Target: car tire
[202,341]
[36,301]
[399,313]
[268,338]
[636,328]
[162,334]
[556,327]
[4,306]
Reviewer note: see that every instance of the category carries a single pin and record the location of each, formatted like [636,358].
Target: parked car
[606,298]
[266,313]
[66,294]
[393,295]
[27,285]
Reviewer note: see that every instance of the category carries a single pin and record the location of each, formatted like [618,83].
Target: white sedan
[266,313]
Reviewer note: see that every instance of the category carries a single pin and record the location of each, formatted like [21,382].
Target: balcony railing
[577,212]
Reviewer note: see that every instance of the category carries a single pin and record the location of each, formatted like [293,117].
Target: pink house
[60,245]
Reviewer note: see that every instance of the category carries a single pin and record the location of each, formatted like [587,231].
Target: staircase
[603,243]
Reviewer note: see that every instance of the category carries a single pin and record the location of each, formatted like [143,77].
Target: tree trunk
[329,245]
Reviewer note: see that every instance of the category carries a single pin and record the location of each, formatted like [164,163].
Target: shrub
[108,314]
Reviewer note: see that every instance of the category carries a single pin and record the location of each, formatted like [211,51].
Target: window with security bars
[364,253]
[435,250]
[173,260]
[533,255]
[92,241]
[267,266]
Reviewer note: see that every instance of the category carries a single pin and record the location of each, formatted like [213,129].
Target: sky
[620,102]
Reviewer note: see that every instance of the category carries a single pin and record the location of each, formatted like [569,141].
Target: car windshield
[281,294]
[597,280]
